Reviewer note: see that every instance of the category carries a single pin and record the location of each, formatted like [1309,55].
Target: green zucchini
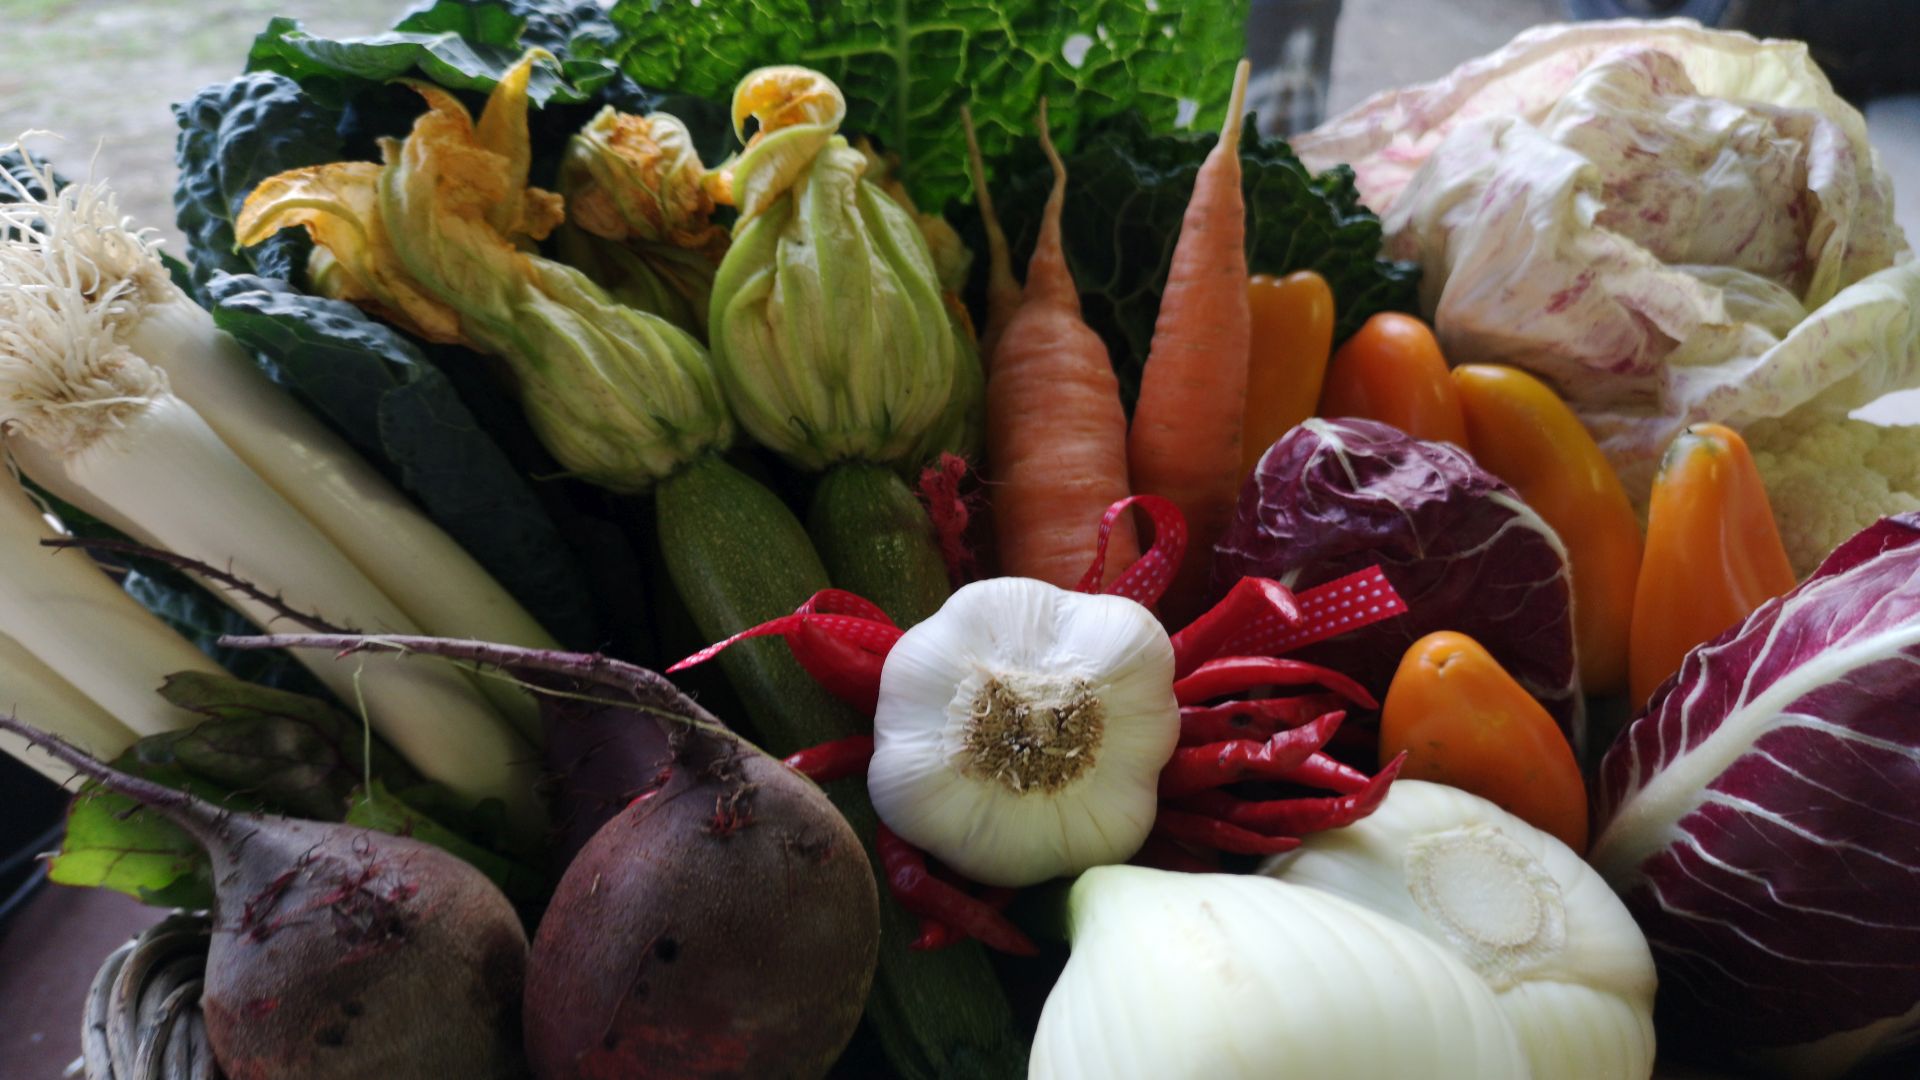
[739,557]
[877,541]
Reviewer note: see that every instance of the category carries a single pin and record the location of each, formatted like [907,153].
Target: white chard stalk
[1241,977]
[98,426]
[84,628]
[1565,961]
[427,575]
[34,692]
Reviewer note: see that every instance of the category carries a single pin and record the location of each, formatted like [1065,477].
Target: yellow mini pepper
[1713,553]
[1524,434]
[1291,340]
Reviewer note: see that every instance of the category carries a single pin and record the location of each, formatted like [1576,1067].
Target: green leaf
[459,46]
[1127,191]
[112,843]
[232,136]
[378,808]
[907,66]
[376,388]
[294,754]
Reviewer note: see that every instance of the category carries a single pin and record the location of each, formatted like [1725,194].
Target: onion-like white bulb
[1221,976]
[1021,731]
[1570,968]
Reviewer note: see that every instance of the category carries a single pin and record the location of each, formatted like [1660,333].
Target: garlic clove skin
[1021,730]
[1225,976]
[1570,968]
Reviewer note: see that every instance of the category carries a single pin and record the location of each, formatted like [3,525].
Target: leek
[99,426]
[85,630]
[418,566]
[34,692]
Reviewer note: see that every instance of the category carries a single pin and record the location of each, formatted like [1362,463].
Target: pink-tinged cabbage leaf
[1335,496]
[1762,818]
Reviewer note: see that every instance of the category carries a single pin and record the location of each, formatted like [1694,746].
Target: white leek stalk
[1021,730]
[1569,967]
[1222,976]
[426,574]
[34,692]
[98,426]
[84,628]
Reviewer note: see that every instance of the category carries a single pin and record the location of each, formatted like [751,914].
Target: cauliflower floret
[1829,476]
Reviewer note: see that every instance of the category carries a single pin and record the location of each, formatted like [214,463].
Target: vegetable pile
[1051,520]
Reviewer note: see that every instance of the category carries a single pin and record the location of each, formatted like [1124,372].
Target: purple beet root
[725,922]
[340,952]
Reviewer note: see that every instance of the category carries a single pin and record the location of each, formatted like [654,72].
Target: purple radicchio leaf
[1335,496]
[1762,818]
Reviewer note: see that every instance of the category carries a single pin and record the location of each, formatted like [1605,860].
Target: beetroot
[340,952]
[724,923]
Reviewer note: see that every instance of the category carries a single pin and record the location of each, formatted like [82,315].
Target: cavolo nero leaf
[232,136]
[906,66]
[377,389]
[1127,192]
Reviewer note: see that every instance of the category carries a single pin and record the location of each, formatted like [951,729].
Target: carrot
[1185,442]
[1056,431]
[1003,293]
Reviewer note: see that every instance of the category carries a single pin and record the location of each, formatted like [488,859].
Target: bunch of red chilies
[842,640]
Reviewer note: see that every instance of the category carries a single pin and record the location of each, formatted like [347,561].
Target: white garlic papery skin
[1021,731]
[1239,977]
[1570,969]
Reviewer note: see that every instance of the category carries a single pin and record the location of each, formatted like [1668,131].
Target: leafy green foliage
[461,46]
[1127,191]
[232,136]
[260,749]
[377,389]
[907,66]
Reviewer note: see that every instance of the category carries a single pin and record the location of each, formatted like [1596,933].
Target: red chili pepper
[1238,674]
[834,760]
[1251,600]
[921,893]
[1256,719]
[1296,817]
[935,935]
[1199,768]
[1160,853]
[1219,835]
[1322,771]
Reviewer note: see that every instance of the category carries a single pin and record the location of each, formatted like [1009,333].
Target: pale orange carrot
[1003,293]
[1185,442]
[1056,432]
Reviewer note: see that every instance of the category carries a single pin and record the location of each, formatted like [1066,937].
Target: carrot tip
[1236,106]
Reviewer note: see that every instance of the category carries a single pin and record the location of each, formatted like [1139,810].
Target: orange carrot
[1003,293]
[1185,442]
[1056,432]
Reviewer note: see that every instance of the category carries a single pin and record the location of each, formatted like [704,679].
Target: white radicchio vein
[1693,844]
[1823,959]
[1754,809]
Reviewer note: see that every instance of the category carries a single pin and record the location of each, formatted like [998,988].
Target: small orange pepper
[1713,553]
[1524,434]
[1292,336]
[1463,721]
[1393,371]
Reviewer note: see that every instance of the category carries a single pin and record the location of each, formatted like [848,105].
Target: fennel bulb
[1223,976]
[1564,959]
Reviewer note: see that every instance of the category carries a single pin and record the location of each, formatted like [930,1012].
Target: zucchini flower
[438,238]
[827,323]
[639,217]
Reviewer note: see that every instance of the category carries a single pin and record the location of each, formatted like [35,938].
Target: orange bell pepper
[1392,371]
[1463,721]
[1524,434]
[1713,553]
[1292,336]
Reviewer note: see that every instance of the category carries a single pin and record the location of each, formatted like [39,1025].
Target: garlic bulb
[1571,971]
[1021,731]
[1222,976]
